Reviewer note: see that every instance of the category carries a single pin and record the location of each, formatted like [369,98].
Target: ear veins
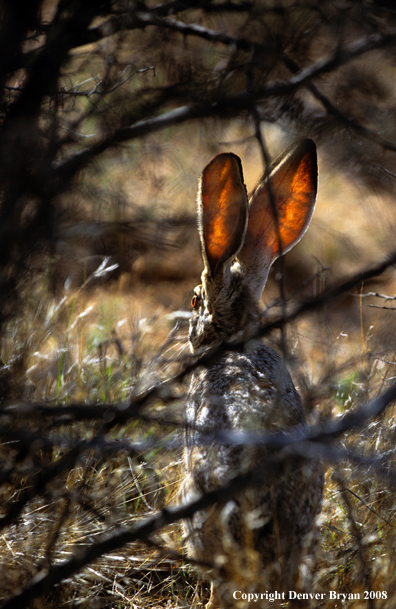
[296,211]
[293,186]
[223,211]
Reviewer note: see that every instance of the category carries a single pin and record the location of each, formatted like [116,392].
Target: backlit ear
[222,211]
[292,190]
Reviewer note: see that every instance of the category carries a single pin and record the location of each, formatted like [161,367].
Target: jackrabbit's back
[242,391]
[247,392]
[265,526]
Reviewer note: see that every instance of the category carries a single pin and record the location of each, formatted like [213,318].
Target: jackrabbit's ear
[290,188]
[222,211]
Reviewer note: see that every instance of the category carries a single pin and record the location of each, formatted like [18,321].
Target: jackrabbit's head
[241,241]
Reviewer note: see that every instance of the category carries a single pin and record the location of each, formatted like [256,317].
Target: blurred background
[109,112]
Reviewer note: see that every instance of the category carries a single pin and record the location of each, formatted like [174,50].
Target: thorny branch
[235,105]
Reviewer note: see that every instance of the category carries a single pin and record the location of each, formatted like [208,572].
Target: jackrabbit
[258,536]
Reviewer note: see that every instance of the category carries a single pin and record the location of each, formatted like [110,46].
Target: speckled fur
[248,391]
[258,536]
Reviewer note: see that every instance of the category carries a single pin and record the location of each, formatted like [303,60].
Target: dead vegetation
[109,111]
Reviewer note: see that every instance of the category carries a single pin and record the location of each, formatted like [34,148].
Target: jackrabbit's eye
[194,301]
